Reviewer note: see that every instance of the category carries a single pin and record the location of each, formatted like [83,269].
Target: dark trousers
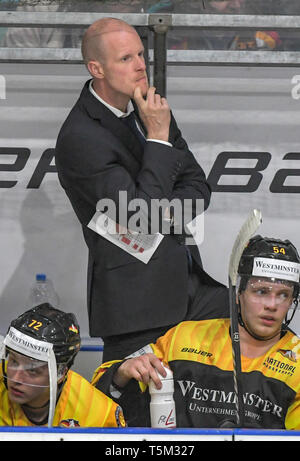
[205,302]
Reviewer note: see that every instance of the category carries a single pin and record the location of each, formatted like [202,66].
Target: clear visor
[24,370]
[269,292]
[30,372]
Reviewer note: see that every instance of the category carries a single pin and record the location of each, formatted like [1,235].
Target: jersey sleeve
[163,346]
[108,369]
[114,416]
[292,420]
[103,376]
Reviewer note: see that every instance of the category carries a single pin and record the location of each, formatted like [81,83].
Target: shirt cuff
[166,143]
[115,391]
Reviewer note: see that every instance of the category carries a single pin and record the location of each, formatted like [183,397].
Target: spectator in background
[225,6]
[6,5]
[290,38]
[35,37]
[223,39]
[164,6]
[110,7]
[193,39]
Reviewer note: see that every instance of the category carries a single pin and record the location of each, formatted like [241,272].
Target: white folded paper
[141,246]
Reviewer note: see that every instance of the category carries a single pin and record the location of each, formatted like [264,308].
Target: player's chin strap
[53,385]
[2,352]
[2,348]
[288,321]
[2,357]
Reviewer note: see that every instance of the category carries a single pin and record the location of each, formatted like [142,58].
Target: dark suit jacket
[96,157]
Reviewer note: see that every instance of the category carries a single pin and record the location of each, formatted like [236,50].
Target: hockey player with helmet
[200,352]
[36,384]
[270,264]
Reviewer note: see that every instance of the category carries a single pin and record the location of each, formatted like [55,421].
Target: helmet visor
[270,292]
[24,370]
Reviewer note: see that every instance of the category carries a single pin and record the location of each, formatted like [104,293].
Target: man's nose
[271,301]
[140,62]
[17,374]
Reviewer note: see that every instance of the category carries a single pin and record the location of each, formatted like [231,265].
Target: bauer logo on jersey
[278,269]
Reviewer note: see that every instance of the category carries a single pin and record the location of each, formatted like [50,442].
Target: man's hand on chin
[155,113]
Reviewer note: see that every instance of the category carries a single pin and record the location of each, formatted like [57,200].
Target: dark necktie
[131,123]
[189,258]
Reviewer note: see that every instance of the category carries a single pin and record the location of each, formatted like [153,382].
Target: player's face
[123,67]
[27,380]
[264,305]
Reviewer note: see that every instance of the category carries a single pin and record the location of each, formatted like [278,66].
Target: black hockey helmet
[265,247]
[46,323]
[273,259]
[269,249]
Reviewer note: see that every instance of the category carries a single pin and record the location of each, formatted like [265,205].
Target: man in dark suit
[131,303]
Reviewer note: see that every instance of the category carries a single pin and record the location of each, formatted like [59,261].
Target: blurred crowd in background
[184,38]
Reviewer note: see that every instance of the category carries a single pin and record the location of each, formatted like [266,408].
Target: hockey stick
[247,230]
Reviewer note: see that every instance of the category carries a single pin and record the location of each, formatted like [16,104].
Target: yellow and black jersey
[200,356]
[79,405]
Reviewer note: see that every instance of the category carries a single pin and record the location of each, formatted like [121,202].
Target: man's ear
[95,69]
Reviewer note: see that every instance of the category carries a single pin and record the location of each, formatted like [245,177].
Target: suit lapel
[108,120]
